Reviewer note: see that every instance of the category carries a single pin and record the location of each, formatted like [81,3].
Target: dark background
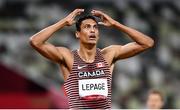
[28,80]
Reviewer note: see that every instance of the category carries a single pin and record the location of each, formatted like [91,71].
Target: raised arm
[39,40]
[141,41]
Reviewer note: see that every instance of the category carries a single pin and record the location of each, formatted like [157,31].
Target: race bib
[89,87]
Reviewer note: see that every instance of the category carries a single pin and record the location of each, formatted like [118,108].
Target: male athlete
[155,100]
[87,71]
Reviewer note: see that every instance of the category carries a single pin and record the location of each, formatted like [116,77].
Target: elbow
[33,42]
[149,44]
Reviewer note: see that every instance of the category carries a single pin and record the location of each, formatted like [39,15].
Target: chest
[88,70]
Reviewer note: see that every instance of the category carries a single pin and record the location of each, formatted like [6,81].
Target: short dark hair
[155,91]
[82,18]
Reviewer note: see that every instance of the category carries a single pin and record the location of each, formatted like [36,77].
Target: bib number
[88,87]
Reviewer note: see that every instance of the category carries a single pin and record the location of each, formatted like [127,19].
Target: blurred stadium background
[27,80]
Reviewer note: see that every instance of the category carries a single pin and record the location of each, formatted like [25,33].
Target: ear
[77,34]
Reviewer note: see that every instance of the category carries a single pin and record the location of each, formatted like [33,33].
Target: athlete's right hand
[70,19]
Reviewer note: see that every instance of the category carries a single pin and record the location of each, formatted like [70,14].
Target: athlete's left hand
[106,20]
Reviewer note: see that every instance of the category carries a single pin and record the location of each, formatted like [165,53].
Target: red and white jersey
[89,84]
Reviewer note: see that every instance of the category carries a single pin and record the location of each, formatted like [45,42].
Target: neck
[87,53]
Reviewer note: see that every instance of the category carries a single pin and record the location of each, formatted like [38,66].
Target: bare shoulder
[110,50]
[67,56]
[64,50]
[109,53]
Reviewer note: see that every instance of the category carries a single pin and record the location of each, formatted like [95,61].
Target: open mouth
[92,36]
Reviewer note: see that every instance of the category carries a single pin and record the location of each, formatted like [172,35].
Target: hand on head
[70,19]
[105,19]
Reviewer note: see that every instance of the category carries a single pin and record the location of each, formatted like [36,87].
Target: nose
[92,29]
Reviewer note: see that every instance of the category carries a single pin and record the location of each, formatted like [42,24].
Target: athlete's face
[154,101]
[89,33]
